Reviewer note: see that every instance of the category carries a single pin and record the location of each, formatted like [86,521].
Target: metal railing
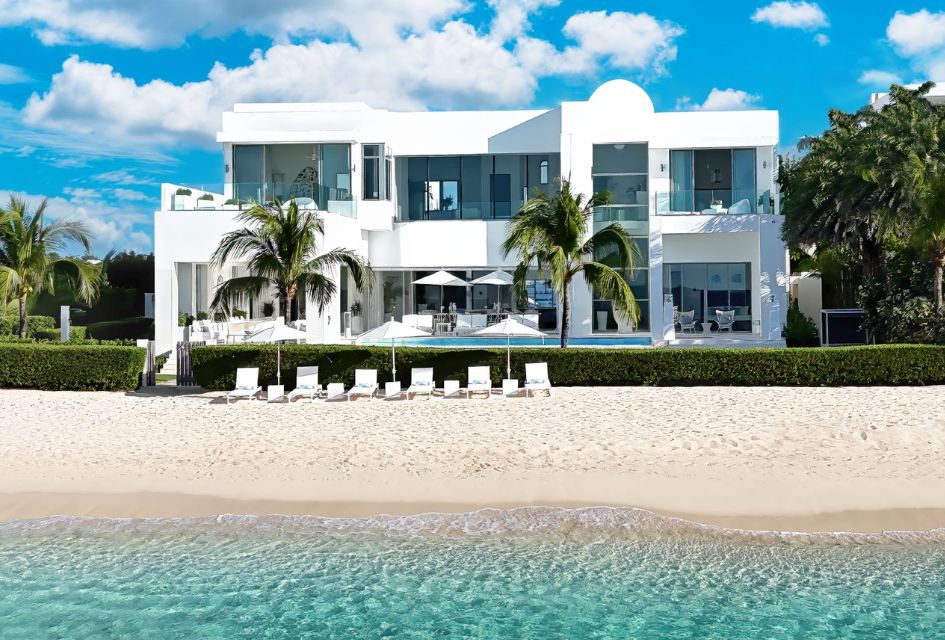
[239,195]
[716,201]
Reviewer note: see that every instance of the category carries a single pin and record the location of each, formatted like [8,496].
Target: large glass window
[622,169]
[248,172]
[474,187]
[705,288]
[703,179]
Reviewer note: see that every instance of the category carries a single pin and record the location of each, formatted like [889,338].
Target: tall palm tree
[911,169]
[29,256]
[280,245]
[550,232]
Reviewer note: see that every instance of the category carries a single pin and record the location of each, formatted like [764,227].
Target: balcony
[716,202]
[237,196]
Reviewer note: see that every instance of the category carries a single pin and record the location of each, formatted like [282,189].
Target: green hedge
[64,366]
[75,334]
[10,324]
[127,329]
[215,366]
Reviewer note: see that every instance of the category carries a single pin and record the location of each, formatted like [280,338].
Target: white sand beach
[804,459]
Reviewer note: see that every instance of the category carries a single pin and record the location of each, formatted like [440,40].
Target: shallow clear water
[522,574]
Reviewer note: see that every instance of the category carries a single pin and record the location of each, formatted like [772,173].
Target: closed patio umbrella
[392,330]
[442,279]
[277,333]
[509,328]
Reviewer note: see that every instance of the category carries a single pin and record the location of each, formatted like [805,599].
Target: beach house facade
[420,192]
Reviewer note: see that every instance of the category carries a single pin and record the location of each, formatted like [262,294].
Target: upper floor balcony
[716,202]
[240,195]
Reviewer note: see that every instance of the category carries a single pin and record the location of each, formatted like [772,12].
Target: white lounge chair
[687,321]
[306,383]
[479,380]
[421,383]
[247,384]
[536,378]
[365,383]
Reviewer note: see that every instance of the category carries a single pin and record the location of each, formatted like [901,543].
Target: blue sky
[102,101]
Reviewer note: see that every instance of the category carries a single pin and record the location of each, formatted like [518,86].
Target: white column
[773,280]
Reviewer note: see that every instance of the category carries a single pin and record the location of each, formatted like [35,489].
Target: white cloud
[722,100]
[113,225]
[879,78]
[129,194]
[451,65]
[916,33]
[10,74]
[161,23]
[796,15]
[822,39]
[119,176]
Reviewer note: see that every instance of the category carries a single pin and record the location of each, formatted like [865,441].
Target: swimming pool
[486,342]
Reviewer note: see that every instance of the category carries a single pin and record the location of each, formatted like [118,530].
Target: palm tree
[29,256]
[280,244]
[911,168]
[551,231]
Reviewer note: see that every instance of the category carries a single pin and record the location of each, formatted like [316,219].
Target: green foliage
[161,359]
[202,315]
[81,368]
[76,334]
[215,366]
[205,196]
[10,323]
[240,313]
[183,191]
[183,319]
[551,233]
[800,331]
[127,329]
[280,247]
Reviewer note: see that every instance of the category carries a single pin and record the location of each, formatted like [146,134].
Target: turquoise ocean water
[526,573]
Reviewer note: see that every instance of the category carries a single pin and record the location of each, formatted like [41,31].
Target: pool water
[487,342]
[526,573]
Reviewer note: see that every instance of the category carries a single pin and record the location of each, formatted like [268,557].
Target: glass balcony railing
[715,201]
[239,195]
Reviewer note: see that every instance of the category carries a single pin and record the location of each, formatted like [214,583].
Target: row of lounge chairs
[479,381]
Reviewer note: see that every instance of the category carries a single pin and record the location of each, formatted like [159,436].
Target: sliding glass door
[705,288]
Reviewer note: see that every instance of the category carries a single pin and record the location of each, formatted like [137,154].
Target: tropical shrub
[67,366]
[800,331]
[10,323]
[215,366]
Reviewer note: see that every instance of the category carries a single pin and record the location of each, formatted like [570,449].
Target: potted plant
[356,318]
[181,199]
[205,198]
[231,204]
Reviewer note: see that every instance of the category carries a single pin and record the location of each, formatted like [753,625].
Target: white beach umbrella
[442,279]
[277,333]
[509,328]
[392,330]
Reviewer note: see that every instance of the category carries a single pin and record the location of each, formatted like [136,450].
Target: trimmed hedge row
[215,366]
[53,366]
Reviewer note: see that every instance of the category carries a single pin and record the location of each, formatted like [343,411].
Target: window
[622,169]
[376,167]
[712,178]
[543,172]
[707,287]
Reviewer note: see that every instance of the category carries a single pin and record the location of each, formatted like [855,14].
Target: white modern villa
[416,193]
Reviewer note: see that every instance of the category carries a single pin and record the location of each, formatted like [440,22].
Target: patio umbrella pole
[508,357]
[393,359]
[278,363]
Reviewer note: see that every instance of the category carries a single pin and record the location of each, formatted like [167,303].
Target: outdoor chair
[365,383]
[247,384]
[536,378]
[687,321]
[725,320]
[306,383]
[479,380]
[421,383]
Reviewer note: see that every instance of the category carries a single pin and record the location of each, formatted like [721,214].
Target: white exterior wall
[618,112]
